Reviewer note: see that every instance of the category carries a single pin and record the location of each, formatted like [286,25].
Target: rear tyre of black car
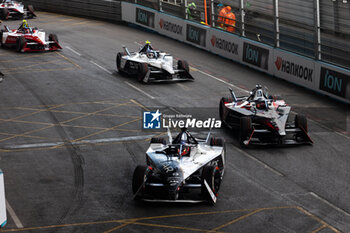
[119,60]
[53,37]
[212,175]
[138,177]
[31,11]
[222,106]
[183,65]
[217,141]
[20,42]
[158,140]
[142,72]
[245,129]
[301,122]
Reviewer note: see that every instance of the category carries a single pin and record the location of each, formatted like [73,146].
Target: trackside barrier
[321,77]
[3,217]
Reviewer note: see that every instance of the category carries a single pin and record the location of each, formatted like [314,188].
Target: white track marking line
[69,48]
[13,215]
[101,67]
[137,43]
[138,89]
[259,161]
[93,141]
[220,80]
[330,204]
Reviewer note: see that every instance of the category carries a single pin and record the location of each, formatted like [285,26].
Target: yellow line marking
[140,105]
[319,229]
[26,57]
[234,221]
[171,227]
[31,136]
[78,66]
[317,219]
[118,227]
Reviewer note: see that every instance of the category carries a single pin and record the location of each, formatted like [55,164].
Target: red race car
[28,40]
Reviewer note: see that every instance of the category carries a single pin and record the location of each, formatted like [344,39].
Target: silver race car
[15,10]
[263,119]
[184,164]
[150,65]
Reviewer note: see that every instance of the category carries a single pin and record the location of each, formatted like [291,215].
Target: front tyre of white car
[212,175]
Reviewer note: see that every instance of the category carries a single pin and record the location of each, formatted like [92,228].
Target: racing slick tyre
[222,106]
[20,43]
[1,33]
[143,70]
[183,65]
[53,37]
[158,140]
[301,122]
[221,143]
[118,61]
[138,177]
[217,141]
[212,176]
[4,13]
[245,129]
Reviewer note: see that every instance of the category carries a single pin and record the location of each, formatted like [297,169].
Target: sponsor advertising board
[170,26]
[196,34]
[257,56]
[334,81]
[138,15]
[224,44]
[295,69]
[144,17]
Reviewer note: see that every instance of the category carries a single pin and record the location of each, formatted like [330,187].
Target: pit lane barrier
[330,80]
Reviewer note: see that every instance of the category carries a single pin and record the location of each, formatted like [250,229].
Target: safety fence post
[160,7]
[277,24]
[242,17]
[212,13]
[186,15]
[317,30]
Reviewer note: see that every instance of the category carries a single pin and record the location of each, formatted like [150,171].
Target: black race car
[263,119]
[185,163]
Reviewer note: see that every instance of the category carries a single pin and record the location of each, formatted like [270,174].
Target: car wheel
[1,44]
[245,129]
[4,12]
[183,65]
[222,106]
[212,176]
[301,122]
[31,11]
[20,43]
[138,178]
[53,37]
[220,142]
[158,140]
[118,61]
[143,70]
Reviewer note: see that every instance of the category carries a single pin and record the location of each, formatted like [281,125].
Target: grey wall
[101,9]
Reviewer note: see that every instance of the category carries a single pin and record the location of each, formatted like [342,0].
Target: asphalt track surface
[70,138]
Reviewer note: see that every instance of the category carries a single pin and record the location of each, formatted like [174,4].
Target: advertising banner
[334,81]
[3,217]
[138,15]
[257,56]
[294,68]
[170,26]
[196,34]
[224,44]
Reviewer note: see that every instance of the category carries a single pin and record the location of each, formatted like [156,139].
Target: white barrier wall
[294,68]
[3,217]
[224,44]
[321,77]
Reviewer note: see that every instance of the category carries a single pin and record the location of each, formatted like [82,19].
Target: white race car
[184,164]
[15,10]
[152,65]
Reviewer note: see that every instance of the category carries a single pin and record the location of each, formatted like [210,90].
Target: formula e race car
[263,119]
[185,163]
[15,10]
[28,40]
[152,65]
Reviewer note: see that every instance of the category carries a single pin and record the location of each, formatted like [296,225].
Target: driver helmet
[261,104]
[24,23]
[185,149]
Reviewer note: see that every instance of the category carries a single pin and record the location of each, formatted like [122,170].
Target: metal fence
[319,29]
